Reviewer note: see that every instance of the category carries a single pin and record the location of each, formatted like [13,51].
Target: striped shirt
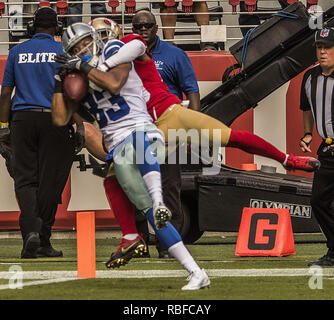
[317,95]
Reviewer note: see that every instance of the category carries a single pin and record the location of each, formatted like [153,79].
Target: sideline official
[42,152]
[317,104]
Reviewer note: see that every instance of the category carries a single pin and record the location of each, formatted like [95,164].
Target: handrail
[123,14]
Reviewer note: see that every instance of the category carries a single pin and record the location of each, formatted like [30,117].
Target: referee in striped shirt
[317,104]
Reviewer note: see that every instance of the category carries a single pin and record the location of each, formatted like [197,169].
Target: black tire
[190,230]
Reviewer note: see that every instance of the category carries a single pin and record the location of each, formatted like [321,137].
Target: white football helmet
[77,32]
[107,29]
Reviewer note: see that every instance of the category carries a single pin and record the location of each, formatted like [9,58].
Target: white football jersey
[119,115]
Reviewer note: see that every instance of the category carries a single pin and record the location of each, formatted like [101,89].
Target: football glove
[71,63]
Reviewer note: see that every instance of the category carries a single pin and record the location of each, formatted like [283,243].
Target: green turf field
[232,277]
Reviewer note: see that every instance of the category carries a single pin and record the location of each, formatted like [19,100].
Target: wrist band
[307,134]
[4,124]
[58,87]
[307,143]
[85,67]
[302,138]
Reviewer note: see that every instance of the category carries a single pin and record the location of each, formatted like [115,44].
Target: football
[75,85]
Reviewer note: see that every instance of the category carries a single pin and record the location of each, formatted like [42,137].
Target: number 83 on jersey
[106,107]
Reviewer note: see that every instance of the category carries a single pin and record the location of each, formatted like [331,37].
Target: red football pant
[121,205]
[252,143]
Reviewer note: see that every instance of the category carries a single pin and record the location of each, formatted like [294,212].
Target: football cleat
[308,164]
[162,216]
[197,280]
[127,250]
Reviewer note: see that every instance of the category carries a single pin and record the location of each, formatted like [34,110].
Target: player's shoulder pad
[111,47]
[133,36]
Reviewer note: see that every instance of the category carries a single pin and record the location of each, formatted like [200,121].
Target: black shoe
[326,260]
[127,249]
[30,245]
[144,254]
[50,252]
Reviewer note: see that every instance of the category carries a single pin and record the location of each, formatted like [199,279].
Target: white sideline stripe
[72,275]
[39,282]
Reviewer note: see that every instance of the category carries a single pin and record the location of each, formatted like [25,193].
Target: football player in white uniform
[117,99]
[121,113]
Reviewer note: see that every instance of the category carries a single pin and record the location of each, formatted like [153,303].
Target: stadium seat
[61,7]
[169,4]
[311,3]
[130,6]
[44,4]
[113,4]
[2,8]
[250,5]
[187,6]
[234,4]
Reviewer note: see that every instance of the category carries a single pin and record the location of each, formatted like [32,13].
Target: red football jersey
[160,97]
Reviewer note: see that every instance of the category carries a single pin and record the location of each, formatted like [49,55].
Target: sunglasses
[147,25]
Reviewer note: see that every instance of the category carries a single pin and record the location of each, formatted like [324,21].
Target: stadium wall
[277,119]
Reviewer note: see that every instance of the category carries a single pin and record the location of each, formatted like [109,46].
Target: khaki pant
[177,117]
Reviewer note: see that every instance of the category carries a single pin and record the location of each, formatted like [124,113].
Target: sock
[122,207]
[149,167]
[130,236]
[171,239]
[182,255]
[286,159]
[252,143]
[153,183]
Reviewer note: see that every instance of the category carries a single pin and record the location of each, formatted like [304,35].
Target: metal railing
[123,16]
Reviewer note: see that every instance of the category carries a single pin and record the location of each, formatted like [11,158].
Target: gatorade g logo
[262,232]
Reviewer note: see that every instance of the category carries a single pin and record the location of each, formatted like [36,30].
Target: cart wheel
[190,230]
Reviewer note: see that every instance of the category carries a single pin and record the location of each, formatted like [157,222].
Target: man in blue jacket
[42,152]
[172,62]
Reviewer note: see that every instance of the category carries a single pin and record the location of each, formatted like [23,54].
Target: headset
[31,29]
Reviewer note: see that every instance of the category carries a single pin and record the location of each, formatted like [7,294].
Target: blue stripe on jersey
[112,47]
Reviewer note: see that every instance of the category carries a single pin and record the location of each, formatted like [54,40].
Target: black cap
[325,36]
[45,17]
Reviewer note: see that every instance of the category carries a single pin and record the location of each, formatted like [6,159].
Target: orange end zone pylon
[265,232]
[86,258]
